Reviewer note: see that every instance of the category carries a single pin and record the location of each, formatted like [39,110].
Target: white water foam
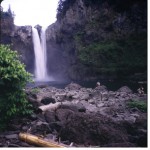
[40,56]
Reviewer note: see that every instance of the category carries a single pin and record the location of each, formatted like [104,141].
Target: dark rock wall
[84,25]
[6,27]
[22,42]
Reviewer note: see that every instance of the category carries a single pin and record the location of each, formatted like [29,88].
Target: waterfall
[40,55]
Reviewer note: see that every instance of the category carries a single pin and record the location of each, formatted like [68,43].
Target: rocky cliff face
[19,38]
[22,42]
[98,39]
[89,40]
[6,27]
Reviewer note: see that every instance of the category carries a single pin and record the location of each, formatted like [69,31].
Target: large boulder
[125,89]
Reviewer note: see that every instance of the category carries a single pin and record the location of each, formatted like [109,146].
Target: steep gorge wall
[22,42]
[90,39]
[19,38]
[98,39]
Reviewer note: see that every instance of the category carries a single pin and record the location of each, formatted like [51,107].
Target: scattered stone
[11,136]
[87,117]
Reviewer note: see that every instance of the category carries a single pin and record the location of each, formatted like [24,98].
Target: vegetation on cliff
[122,56]
[110,39]
[13,79]
[118,5]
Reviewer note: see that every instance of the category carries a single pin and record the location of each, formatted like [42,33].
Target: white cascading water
[40,55]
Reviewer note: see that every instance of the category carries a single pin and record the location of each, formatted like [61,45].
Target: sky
[32,12]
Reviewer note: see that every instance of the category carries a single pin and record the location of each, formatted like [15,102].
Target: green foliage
[35,90]
[138,104]
[123,56]
[13,79]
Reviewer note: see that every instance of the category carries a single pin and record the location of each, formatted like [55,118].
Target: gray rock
[23,144]
[25,128]
[80,107]
[89,107]
[73,86]
[91,101]
[130,119]
[125,89]
[11,136]
[50,136]
[50,116]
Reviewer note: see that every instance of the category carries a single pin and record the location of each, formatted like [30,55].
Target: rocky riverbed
[85,117]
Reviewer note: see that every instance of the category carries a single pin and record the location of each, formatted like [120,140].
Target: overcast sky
[32,12]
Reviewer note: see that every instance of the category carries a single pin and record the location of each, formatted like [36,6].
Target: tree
[13,79]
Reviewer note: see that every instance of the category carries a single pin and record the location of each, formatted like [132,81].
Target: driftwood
[53,107]
[49,107]
[35,140]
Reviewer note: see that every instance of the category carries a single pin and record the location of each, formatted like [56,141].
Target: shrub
[35,90]
[138,104]
[13,79]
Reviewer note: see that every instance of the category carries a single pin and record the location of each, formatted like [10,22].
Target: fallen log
[49,107]
[38,141]
[52,107]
